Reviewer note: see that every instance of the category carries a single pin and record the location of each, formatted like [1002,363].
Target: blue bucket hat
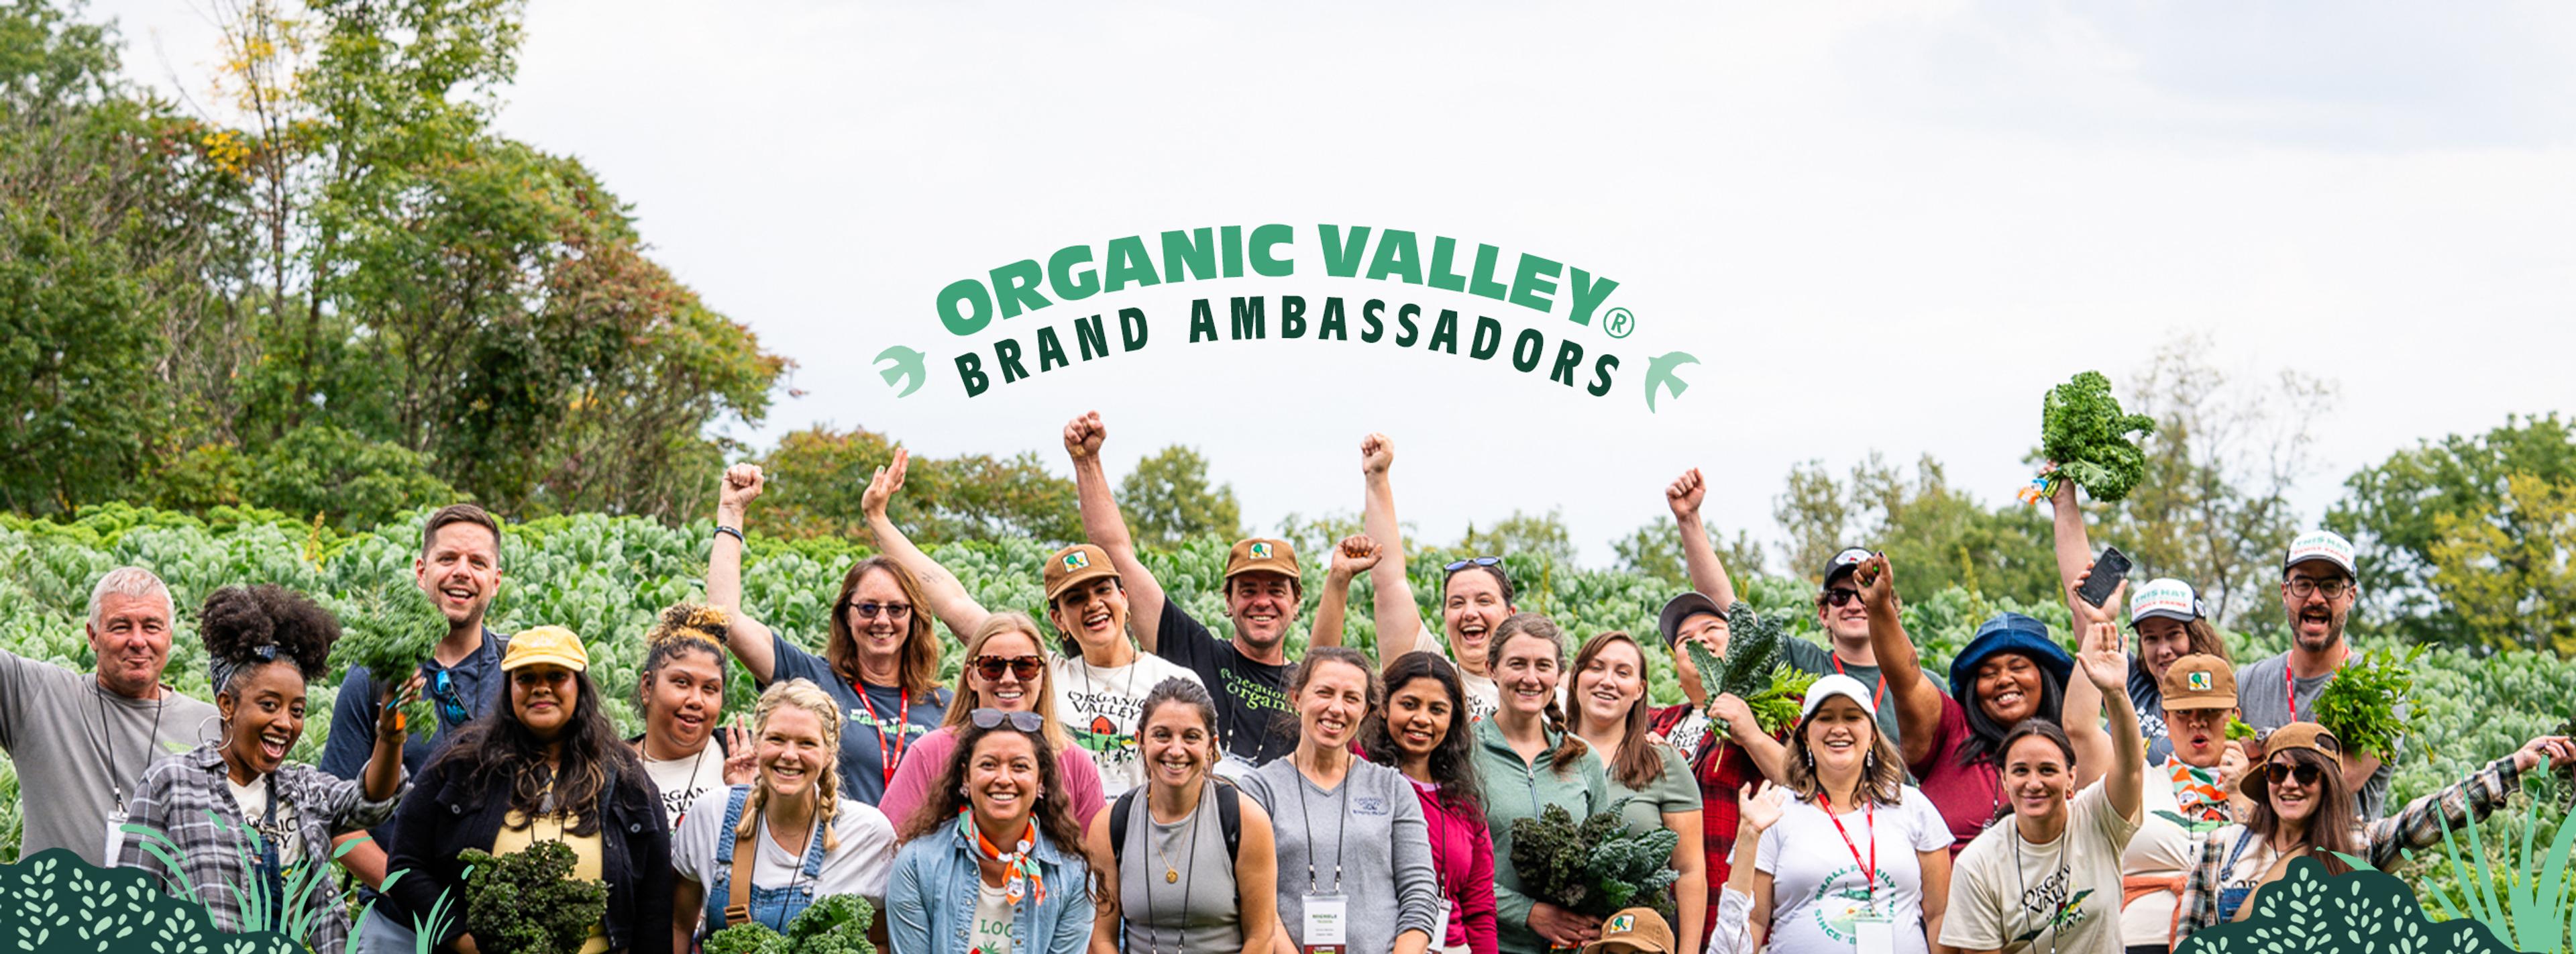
[2010,633]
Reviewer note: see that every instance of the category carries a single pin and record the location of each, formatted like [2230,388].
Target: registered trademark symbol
[1620,323]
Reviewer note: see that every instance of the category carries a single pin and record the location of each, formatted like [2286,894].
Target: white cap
[1827,687]
[2167,598]
[2324,545]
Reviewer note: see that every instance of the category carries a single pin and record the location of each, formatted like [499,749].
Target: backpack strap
[1229,817]
[1118,824]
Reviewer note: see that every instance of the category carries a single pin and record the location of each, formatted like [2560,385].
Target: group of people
[1132,781]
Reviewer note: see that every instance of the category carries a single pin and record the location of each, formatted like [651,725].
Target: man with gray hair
[81,742]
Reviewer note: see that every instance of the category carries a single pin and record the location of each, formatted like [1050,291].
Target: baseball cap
[1258,554]
[1633,931]
[1829,686]
[1842,563]
[2199,681]
[2010,633]
[2324,545]
[1075,565]
[2165,598]
[546,644]
[1681,608]
[2296,735]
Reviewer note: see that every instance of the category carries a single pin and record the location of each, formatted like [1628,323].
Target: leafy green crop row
[605,578]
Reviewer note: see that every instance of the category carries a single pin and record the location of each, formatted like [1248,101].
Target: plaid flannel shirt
[2418,825]
[176,798]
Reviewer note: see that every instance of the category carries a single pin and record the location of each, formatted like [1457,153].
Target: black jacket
[444,815]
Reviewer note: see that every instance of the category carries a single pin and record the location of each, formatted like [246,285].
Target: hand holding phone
[2108,570]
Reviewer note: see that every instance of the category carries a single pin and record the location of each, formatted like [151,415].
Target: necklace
[1172,872]
[107,746]
[1171,875]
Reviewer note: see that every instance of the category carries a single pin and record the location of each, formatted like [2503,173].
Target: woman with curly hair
[766,850]
[264,644]
[1422,732]
[993,862]
[681,696]
[547,766]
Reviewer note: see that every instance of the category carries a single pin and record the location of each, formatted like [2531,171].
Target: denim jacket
[930,900]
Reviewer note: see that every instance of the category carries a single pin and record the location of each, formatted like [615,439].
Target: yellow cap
[546,644]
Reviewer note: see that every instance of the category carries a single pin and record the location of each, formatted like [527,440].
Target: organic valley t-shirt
[1251,697]
[2011,895]
[682,781]
[1099,706]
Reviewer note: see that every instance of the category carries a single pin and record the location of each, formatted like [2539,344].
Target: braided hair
[246,627]
[1569,746]
[800,694]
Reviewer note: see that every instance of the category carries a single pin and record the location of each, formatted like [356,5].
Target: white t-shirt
[2166,846]
[683,781]
[1098,706]
[993,914]
[253,799]
[1816,889]
[859,865]
[1483,696]
[2012,895]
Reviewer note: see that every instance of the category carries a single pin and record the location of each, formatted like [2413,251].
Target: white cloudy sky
[1885,226]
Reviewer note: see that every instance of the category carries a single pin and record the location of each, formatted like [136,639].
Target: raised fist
[742,483]
[1082,436]
[1685,494]
[1377,453]
[1354,555]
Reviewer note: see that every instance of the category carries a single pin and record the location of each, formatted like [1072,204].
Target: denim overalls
[770,906]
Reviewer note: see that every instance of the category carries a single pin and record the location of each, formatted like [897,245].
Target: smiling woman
[1006,670]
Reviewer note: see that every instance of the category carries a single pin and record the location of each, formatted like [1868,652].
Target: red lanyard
[885,758]
[2290,690]
[1868,869]
[1876,696]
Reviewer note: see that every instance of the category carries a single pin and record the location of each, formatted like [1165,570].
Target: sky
[1880,226]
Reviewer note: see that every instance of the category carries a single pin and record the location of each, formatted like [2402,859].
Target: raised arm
[2080,711]
[1351,557]
[1106,527]
[948,598]
[2422,822]
[2107,668]
[748,639]
[2074,548]
[1918,702]
[1399,620]
[1707,572]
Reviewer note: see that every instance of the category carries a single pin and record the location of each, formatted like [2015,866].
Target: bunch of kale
[529,902]
[1597,867]
[2084,432]
[1753,670]
[837,924]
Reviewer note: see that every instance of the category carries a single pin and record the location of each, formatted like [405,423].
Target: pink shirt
[928,756]
[1967,795]
[1462,851]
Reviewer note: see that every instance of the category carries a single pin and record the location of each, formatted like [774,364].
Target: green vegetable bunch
[391,631]
[837,924]
[2360,705]
[529,902]
[2083,430]
[1752,670]
[2237,729]
[1596,867]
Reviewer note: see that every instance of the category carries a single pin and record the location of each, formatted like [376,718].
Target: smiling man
[81,743]
[1247,674]
[459,566]
[2317,593]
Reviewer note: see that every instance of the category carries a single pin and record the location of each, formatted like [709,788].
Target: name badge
[1440,929]
[1327,926]
[116,819]
[1873,933]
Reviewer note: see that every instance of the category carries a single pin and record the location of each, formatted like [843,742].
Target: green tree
[2403,512]
[1815,513]
[1654,550]
[1168,499]
[352,481]
[2509,573]
[817,475]
[1523,536]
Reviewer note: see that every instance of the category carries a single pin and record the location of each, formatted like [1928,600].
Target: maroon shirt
[1967,795]
[1723,769]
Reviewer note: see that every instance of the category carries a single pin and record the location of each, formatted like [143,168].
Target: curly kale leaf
[1753,670]
[837,924]
[1550,856]
[747,938]
[2083,430]
[529,902]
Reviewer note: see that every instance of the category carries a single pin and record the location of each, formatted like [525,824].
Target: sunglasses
[1025,667]
[451,704]
[1840,595]
[891,610]
[1022,720]
[1479,561]
[2282,772]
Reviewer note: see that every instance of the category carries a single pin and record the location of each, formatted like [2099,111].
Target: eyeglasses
[2302,587]
[2281,772]
[1840,595]
[895,611]
[451,704]
[1479,561]
[1021,719]
[1025,667]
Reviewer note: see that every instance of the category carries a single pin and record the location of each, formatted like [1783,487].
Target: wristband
[737,534]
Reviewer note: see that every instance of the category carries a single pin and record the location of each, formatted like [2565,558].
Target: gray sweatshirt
[1372,824]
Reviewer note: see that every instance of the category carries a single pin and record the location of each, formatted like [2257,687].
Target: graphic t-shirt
[1099,705]
[1483,696]
[2010,894]
[2181,804]
[253,799]
[882,725]
[1817,889]
[1252,709]
[993,915]
[682,781]
[2262,692]
[1808,657]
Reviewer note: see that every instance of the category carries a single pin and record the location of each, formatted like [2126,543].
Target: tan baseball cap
[2304,735]
[546,644]
[1633,931]
[2199,681]
[1259,554]
[1075,565]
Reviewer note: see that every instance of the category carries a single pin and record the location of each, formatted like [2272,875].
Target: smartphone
[2108,570]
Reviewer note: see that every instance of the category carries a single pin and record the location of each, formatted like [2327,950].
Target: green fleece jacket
[1518,789]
